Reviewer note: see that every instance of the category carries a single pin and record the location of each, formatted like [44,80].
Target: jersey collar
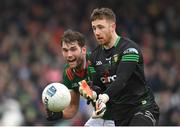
[117,40]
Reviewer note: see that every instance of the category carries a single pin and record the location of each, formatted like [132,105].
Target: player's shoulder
[127,42]
[96,50]
[130,51]
[129,46]
[95,53]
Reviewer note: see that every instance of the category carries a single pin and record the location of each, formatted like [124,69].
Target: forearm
[124,72]
[70,111]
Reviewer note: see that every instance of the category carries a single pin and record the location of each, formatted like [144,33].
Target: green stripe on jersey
[117,40]
[130,57]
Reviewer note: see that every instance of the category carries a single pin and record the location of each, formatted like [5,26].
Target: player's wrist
[104,97]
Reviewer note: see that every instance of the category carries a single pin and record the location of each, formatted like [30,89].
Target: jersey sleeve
[129,59]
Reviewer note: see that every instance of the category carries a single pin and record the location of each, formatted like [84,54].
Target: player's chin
[101,42]
[73,64]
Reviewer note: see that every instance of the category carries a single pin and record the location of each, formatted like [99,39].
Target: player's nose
[69,53]
[97,32]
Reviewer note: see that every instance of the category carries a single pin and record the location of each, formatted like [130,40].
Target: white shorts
[99,122]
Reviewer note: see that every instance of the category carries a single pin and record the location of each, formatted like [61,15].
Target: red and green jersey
[71,77]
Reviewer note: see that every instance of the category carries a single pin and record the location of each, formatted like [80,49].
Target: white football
[56,97]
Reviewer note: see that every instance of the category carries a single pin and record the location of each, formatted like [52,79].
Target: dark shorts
[146,117]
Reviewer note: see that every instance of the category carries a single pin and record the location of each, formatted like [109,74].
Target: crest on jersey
[115,58]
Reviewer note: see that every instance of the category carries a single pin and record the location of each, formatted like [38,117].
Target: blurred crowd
[30,54]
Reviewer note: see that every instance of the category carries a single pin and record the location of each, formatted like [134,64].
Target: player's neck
[112,41]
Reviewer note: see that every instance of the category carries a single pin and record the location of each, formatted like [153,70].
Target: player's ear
[113,25]
[84,50]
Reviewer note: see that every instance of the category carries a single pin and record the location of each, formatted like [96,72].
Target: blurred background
[30,55]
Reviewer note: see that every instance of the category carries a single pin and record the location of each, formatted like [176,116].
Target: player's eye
[73,49]
[65,50]
[100,27]
[94,28]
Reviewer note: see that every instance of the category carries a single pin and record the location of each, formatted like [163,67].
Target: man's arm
[124,71]
[72,109]
[130,58]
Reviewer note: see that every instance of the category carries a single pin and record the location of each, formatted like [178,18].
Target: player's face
[102,30]
[73,54]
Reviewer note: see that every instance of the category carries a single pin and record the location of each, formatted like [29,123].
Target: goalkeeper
[75,53]
[118,65]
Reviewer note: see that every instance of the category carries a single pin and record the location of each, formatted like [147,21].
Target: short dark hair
[70,36]
[103,13]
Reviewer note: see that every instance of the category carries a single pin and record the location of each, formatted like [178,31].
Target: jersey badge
[131,50]
[115,58]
